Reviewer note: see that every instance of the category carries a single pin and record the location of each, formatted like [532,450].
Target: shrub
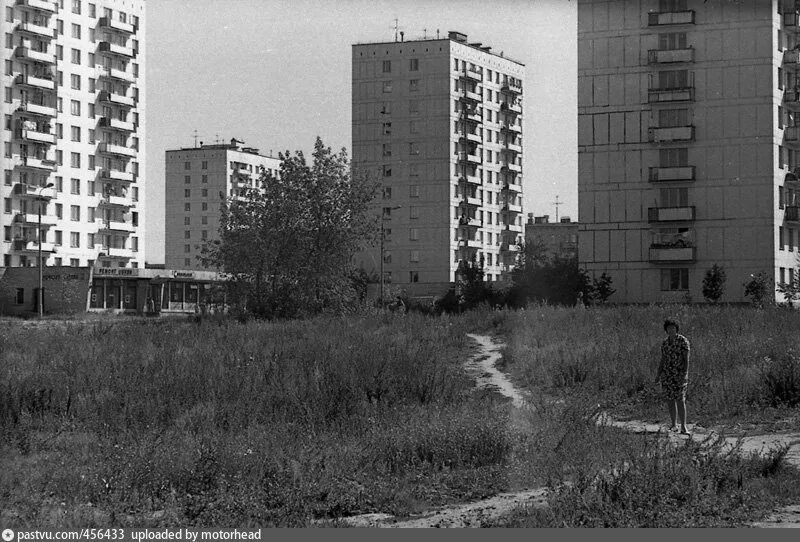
[714,283]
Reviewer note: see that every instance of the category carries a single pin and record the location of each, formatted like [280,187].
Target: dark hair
[670,322]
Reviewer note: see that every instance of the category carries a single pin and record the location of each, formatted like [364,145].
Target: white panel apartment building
[688,133]
[197,179]
[439,124]
[73,110]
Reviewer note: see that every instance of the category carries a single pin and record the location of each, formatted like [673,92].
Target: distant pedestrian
[673,373]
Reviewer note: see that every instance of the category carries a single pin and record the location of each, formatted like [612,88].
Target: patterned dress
[674,374]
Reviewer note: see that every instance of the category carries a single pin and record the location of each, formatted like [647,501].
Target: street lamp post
[40,296]
[383,237]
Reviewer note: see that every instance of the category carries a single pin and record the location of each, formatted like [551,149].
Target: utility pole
[557,203]
[40,296]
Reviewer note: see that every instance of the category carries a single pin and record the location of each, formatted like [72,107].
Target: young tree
[758,289]
[714,283]
[602,287]
[288,243]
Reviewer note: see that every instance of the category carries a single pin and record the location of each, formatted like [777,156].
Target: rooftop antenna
[437,33]
[216,139]
[396,29]
[557,203]
[195,139]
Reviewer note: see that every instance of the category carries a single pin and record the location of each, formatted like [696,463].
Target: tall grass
[227,423]
[741,359]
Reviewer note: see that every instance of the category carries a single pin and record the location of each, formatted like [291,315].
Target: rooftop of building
[452,35]
[234,145]
[544,220]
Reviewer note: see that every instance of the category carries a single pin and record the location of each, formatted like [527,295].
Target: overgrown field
[159,423]
[744,362]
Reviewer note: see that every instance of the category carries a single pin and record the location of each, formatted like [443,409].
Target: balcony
[469,158]
[513,229]
[35,136]
[473,115]
[23,245]
[116,175]
[116,253]
[673,133]
[42,57]
[31,108]
[670,214]
[113,73]
[32,219]
[116,201]
[685,173]
[512,208]
[116,124]
[792,213]
[471,75]
[668,56]
[469,96]
[791,57]
[511,168]
[513,88]
[44,6]
[791,134]
[472,137]
[670,18]
[470,179]
[512,147]
[116,150]
[42,81]
[116,225]
[473,201]
[116,99]
[470,244]
[661,95]
[38,164]
[511,127]
[673,254]
[514,108]
[25,190]
[38,29]
[791,20]
[113,24]
[114,49]
[470,222]
[509,247]
[791,98]
[513,188]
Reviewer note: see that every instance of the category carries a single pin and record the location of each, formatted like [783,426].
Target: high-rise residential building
[74,132]
[197,180]
[439,123]
[688,144]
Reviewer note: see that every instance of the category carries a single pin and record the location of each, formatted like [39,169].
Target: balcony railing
[116,175]
[471,75]
[116,201]
[667,56]
[117,150]
[513,229]
[116,99]
[512,87]
[670,214]
[42,81]
[512,208]
[42,57]
[511,107]
[473,115]
[673,254]
[791,20]
[36,136]
[659,95]
[473,201]
[791,134]
[23,245]
[684,173]
[512,147]
[469,158]
[511,127]
[511,168]
[113,24]
[470,179]
[469,243]
[673,133]
[45,6]
[25,190]
[792,213]
[670,17]
[471,222]
[116,225]
[31,162]
[473,137]
[109,122]
[116,253]
[512,187]
[509,247]
[115,49]
[33,219]
[41,31]
[469,96]
[37,109]
[113,73]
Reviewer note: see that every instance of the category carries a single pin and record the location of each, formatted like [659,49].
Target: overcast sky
[277,74]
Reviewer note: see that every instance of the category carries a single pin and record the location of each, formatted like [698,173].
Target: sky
[278,73]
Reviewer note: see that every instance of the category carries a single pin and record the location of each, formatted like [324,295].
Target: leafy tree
[288,243]
[714,283]
[602,287]
[539,277]
[758,289]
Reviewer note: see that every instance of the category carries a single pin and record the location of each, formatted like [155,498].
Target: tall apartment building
[688,139]
[439,123]
[73,110]
[197,178]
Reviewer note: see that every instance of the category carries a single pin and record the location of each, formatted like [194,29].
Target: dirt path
[474,514]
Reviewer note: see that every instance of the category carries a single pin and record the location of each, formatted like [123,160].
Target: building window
[413,191]
[414,256]
[187,207]
[387,192]
[674,197]
[75,107]
[76,56]
[75,160]
[674,279]
[187,221]
[413,211]
[75,132]
[670,118]
[413,149]
[387,171]
[413,64]
[187,193]
[413,234]
[74,262]
[187,234]
[75,186]
[413,85]
[387,86]
[75,240]
[387,147]
[187,165]
[75,213]
[387,66]
[671,41]
[781,237]
[387,128]
[673,79]
[413,276]
[76,6]
[19,298]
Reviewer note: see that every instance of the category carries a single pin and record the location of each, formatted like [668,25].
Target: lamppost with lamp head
[39,200]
